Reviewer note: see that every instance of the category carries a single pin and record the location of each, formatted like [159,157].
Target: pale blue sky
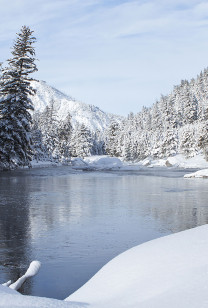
[118,55]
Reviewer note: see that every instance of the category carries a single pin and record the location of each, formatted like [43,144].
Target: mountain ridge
[91,116]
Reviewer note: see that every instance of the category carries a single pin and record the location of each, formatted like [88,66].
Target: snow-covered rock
[177,161]
[100,162]
[146,162]
[91,116]
[198,174]
[197,161]
[103,162]
[78,162]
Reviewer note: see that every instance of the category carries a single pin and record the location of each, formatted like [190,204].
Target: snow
[103,162]
[198,174]
[91,116]
[167,272]
[94,162]
[44,164]
[97,162]
[177,161]
[197,161]
[32,271]
[78,162]
[11,299]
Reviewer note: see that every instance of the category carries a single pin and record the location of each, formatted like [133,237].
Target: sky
[118,55]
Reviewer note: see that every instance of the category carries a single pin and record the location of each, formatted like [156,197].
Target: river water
[75,221]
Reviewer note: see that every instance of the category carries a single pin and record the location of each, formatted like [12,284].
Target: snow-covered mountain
[89,115]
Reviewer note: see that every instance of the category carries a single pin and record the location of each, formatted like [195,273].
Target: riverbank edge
[167,272]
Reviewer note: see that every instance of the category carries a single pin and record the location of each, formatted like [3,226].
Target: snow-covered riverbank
[177,161]
[104,162]
[198,174]
[167,272]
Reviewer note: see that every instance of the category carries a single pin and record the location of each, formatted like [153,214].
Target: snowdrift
[177,161]
[168,272]
[103,162]
[198,174]
[97,162]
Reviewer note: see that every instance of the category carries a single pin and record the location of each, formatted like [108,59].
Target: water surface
[74,222]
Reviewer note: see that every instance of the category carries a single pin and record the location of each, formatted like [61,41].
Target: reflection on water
[74,222]
[14,228]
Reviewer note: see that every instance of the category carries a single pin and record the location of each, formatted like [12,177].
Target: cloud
[107,52]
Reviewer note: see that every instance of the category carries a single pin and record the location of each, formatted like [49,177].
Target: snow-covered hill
[91,116]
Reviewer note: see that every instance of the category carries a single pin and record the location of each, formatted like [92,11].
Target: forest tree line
[177,123]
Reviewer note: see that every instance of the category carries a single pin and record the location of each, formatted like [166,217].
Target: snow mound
[78,162]
[198,174]
[146,162]
[89,115]
[97,162]
[177,161]
[103,162]
[12,299]
[168,272]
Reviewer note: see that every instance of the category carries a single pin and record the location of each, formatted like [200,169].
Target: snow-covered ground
[44,164]
[102,162]
[198,174]
[91,116]
[171,271]
[96,162]
[178,160]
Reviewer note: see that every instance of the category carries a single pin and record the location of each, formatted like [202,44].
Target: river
[75,221]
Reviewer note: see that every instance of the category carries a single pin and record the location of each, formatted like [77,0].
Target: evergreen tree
[15,104]
[64,136]
[189,103]
[112,139]
[203,139]
[49,127]
[98,147]
[81,142]
[128,149]
[188,142]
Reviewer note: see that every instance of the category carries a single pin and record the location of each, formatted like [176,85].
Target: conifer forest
[177,123]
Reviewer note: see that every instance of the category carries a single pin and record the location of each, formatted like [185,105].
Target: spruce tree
[81,142]
[64,136]
[15,104]
[112,139]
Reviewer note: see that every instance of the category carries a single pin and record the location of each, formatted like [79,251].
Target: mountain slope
[91,116]
[176,124]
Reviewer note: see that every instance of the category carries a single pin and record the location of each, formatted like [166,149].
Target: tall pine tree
[15,104]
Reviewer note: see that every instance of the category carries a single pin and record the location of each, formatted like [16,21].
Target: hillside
[176,124]
[63,127]
[91,116]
